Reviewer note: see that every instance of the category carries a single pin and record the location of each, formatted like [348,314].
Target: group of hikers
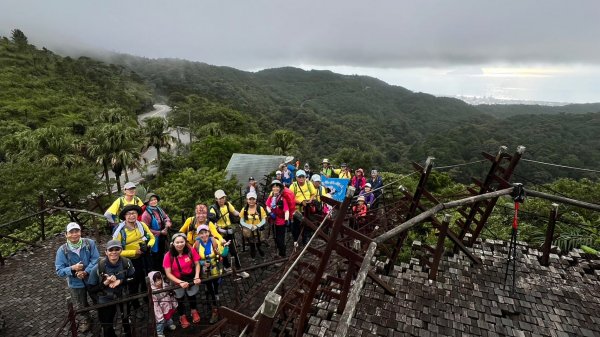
[200,251]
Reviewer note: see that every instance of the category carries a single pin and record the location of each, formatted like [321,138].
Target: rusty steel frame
[414,206]
[487,186]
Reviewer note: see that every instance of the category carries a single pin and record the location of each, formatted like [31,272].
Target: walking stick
[518,196]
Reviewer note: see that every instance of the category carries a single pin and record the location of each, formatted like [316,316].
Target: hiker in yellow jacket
[192,224]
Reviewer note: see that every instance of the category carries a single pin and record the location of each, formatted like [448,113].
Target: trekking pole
[518,195]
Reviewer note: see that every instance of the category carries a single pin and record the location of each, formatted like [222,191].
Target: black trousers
[138,283]
[232,252]
[107,315]
[280,239]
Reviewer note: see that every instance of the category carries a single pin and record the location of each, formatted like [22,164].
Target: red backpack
[290,197]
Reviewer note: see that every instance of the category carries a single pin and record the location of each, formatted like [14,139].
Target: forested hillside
[367,122]
[56,116]
[508,110]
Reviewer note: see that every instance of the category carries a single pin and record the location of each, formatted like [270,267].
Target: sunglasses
[114,249]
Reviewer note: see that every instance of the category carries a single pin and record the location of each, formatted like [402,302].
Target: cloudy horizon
[517,50]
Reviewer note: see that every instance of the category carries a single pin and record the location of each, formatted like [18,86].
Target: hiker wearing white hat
[129,198]
[253,218]
[221,213]
[74,261]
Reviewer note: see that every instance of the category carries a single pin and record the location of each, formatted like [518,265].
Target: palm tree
[284,141]
[51,146]
[156,133]
[115,147]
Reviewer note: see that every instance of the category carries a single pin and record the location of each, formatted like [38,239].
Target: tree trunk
[157,153]
[107,179]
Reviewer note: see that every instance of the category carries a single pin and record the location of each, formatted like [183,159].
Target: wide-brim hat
[325,161]
[150,195]
[128,208]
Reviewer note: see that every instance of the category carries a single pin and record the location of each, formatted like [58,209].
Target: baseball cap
[129,185]
[202,228]
[220,194]
[72,225]
[361,198]
[278,172]
[368,185]
[112,244]
[315,177]
[251,195]
[300,173]
[251,178]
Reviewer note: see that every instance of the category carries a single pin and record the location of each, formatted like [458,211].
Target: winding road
[160,110]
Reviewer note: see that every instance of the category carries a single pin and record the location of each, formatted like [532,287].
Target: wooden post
[72,318]
[354,296]
[42,224]
[439,248]
[544,259]
[151,318]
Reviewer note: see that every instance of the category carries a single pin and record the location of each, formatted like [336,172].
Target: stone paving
[465,300]
[34,298]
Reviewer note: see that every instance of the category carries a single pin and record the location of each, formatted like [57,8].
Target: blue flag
[337,187]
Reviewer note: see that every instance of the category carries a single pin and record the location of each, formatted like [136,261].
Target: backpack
[121,230]
[136,201]
[259,208]
[291,199]
[85,245]
[217,214]
[125,265]
[192,226]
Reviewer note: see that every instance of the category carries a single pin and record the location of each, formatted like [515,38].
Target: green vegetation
[65,122]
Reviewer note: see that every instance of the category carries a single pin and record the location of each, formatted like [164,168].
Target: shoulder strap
[101,266]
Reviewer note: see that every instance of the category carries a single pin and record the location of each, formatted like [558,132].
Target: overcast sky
[533,50]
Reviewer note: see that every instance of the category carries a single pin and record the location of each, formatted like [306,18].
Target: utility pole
[190,127]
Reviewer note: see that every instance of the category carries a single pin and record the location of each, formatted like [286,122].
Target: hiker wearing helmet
[305,194]
[279,214]
[221,213]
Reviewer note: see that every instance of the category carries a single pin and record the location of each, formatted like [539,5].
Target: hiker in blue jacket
[74,261]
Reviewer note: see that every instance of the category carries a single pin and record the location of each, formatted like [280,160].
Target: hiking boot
[195,316]
[160,335]
[84,326]
[172,327]
[244,274]
[214,317]
[184,322]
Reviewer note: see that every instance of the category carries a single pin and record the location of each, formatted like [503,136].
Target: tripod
[518,196]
